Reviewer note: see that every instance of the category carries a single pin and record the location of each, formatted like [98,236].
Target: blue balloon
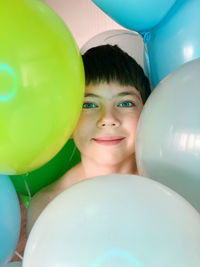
[9,219]
[137,15]
[12,264]
[175,41]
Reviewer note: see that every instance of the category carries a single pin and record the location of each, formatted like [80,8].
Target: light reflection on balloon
[42,85]
[175,40]
[187,141]
[128,259]
[188,52]
[168,134]
[7,69]
[115,220]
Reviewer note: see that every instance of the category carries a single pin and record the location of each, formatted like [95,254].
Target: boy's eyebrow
[119,94]
[93,95]
[128,93]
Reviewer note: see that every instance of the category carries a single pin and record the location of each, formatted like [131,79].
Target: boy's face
[107,126]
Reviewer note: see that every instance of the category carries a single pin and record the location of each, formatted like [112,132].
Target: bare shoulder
[37,204]
[47,194]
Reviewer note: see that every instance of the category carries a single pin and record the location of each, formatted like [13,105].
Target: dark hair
[108,63]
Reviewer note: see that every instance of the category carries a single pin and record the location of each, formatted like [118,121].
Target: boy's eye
[126,104]
[89,105]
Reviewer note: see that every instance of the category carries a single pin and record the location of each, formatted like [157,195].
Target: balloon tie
[146,36]
[18,255]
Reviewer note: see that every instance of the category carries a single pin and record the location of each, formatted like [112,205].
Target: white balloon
[12,264]
[114,221]
[129,41]
[168,135]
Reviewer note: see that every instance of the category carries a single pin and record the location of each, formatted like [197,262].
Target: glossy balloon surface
[9,219]
[136,15]
[175,40]
[110,221]
[168,135]
[42,85]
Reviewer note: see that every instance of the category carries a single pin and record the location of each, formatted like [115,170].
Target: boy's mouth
[109,140]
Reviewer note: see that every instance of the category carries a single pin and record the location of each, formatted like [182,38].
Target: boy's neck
[88,169]
[92,168]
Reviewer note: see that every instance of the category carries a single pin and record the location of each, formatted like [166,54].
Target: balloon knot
[146,36]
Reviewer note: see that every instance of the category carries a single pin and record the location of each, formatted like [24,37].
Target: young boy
[116,90]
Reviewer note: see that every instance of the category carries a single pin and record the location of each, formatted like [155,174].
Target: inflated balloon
[9,219]
[42,85]
[12,264]
[111,221]
[136,15]
[175,40]
[168,135]
[31,183]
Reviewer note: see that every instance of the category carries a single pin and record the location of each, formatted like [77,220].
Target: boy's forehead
[110,88]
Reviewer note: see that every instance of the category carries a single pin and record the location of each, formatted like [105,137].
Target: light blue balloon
[137,15]
[175,41]
[9,219]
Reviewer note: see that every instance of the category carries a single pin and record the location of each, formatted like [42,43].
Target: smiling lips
[108,140]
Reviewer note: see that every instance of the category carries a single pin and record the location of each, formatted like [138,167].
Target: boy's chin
[110,160]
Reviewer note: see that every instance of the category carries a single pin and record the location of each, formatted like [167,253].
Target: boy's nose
[109,120]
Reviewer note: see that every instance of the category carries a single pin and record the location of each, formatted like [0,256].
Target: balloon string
[27,189]
[26,184]
[18,255]
[73,152]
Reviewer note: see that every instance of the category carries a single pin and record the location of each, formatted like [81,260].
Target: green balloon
[31,183]
[41,85]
